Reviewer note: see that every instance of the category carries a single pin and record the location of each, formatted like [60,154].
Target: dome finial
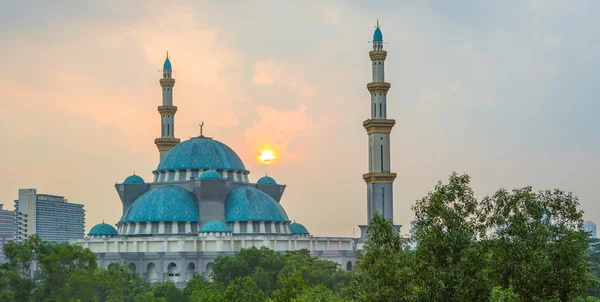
[133,172]
[215,217]
[201,125]
[377,25]
[167,55]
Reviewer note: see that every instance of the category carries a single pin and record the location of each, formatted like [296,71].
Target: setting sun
[266,156]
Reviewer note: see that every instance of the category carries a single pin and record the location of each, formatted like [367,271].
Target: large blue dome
[250,204]
[377,35]
[168,203]
[215,226]
[167,64]
[134,179]
[201,153]
[298,229]
[266,180]
[103,229]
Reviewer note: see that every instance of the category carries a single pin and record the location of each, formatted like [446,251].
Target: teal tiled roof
[250,204]
[298,229]
[215,226]
[168,203]
[201,153]
[103,229]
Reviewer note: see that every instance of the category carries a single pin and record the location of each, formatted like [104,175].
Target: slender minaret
[167,111]
[379,180]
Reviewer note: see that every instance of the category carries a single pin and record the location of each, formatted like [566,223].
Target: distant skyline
[505,92]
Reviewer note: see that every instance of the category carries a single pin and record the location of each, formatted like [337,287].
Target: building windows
[132,228]
[154,227]
[243,227]
[255,227]
[277,228]
[267,227]
[380,110]
[143,228]
[381,147]
[168,227]
[181,227]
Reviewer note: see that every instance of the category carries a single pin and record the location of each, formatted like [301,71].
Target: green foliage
[198,283]
[450,260]
[211,293]
[168,291]
[384,272]
[504,295]
[538,248]
[244,289]
[117,284]
[319,293]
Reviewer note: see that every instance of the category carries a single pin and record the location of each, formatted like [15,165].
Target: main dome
[201,153]
[168,203]
[250,204]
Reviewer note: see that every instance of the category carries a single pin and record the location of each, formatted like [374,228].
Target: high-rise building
[50,217]
[7,228]
[590,227]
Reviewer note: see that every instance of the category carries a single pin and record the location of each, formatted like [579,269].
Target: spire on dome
[201,125]
[377,35]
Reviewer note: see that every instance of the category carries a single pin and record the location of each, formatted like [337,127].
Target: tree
[290,287]
[198,283]
[244,289]
[168,291]
[116,283]
[385,271]
[538,246]
[319,293]
[451,261]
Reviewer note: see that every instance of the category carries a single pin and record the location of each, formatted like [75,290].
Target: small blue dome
[134,179]
[210,174]
[266,180]
[250,204]
[201,153]
[298,229]
[167,65]
[168,203]
[215,226]
[377,35]
[103,229]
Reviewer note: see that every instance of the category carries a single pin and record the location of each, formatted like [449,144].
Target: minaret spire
[167,139]
[379,179]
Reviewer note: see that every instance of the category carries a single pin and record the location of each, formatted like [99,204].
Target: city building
[50,217]
[590,227]
[201,202]
[7,228]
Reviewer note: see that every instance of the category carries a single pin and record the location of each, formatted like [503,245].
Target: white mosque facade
[201,203]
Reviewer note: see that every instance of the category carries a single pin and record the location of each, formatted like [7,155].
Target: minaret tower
[167,111]
[379,180]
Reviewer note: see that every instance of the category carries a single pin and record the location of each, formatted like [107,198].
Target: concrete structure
[50,217]
[7,228]
[590,227]
[380,179]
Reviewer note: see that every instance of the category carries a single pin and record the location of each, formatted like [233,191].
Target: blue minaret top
[377,35]
[167,65]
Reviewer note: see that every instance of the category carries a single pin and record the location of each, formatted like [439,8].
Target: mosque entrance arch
[172,273]
[132,268]
[191,271]
[208,271]
[349,266]
[152,273]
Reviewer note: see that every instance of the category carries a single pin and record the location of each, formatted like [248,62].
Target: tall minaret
[167,111]
[379,180]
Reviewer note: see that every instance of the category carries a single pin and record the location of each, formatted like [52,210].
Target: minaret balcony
[167,110]
[378,55]
[379,125]
[379,177]
[378,87]
[164,82]
[166,143]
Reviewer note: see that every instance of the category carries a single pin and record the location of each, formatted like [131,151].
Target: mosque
[201,203]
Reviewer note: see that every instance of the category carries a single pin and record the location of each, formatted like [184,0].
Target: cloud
[268,72]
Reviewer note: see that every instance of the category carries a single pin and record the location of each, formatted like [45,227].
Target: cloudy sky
[506,91]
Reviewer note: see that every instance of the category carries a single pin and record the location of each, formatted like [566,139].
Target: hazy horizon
[504,92]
